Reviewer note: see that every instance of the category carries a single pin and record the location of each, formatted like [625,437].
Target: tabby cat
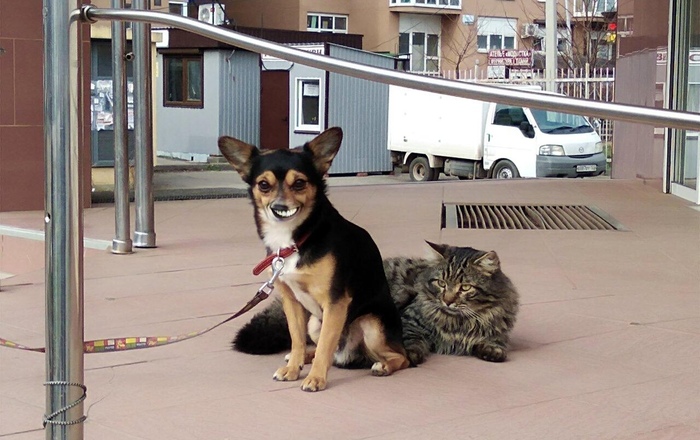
[459,303]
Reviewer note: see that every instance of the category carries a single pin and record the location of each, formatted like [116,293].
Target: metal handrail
[606,110]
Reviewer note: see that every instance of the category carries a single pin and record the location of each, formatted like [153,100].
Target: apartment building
[440,35]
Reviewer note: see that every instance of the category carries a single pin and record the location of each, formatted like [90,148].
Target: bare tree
[588,41]
[463,43]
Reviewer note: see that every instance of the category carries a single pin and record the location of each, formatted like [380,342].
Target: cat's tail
[266,333]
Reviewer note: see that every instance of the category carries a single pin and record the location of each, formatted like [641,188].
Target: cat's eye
[299,185]
[264,186]
[440,283]
[466,288]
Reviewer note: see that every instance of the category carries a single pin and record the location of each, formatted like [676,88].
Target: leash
[133,343]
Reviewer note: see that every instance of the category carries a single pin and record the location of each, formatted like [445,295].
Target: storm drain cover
[546,217]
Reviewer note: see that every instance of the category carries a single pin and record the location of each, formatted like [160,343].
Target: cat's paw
[415,356]
[491,353]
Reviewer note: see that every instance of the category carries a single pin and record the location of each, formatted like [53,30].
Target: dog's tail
[266,333]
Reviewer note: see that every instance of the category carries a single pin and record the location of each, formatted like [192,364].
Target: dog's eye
[264,186]
[299,185]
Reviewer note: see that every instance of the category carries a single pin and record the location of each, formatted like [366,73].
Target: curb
[177,194]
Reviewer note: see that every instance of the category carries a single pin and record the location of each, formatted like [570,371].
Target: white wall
[189,132]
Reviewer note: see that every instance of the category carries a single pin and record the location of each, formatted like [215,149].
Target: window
[424,50]
[496,33]
[179,8]
[589,8]
[327,23]
[439,4]
[308,105]
[509,116]
[183,81]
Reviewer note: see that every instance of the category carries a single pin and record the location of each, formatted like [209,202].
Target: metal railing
[64,229]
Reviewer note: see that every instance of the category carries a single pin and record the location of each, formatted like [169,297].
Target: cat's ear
[488,263]
[441,249]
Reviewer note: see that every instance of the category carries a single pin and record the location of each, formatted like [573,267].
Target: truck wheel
[420,170]
[505,169]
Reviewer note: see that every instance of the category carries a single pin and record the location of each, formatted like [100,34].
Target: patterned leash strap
[133,343]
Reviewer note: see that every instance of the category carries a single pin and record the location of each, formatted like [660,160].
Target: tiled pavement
[607,344]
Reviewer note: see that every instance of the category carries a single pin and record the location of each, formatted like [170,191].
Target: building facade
[659,66]
[447,35]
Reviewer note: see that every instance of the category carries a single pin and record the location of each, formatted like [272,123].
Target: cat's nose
[449,298]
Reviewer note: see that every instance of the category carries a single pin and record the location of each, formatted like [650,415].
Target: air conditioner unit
[529,30]
[212,13]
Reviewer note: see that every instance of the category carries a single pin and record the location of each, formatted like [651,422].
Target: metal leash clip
[277,266]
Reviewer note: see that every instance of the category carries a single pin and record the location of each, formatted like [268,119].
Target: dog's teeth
[286,213]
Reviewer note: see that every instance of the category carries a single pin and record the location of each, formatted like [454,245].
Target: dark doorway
[274,109]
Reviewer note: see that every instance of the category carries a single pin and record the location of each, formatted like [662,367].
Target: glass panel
[309,102]
[495,41]
[174,79]
[432,49]
[686,153]
[509,42]
[312,22]
[418,52]
[432,65]
[404,43]
[341,23]
[326,22]
[194,80]
[482,42]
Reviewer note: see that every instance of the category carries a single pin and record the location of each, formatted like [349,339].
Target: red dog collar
[282,253]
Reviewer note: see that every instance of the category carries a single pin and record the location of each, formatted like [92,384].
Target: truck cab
[527,142]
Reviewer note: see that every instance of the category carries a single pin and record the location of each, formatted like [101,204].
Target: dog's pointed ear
[238,153]
[324,147]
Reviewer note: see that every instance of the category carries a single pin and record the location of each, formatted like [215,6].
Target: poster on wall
[102,103]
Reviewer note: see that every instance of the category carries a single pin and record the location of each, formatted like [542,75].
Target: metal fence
[596,84]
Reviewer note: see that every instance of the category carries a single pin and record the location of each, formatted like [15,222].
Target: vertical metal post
[551,44]
[144,234]
[121,244]
[64,233]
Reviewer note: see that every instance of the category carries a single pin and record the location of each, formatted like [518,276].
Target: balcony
[426,6]
[594,8]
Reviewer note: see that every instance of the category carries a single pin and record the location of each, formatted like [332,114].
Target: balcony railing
[436,4]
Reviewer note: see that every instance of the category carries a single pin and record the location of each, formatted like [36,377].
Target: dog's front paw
[314,383]
[379,369]
[287,373]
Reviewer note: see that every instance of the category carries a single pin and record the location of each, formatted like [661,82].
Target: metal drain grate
[549,217]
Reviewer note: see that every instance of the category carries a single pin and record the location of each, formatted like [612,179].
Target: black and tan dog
[333,283]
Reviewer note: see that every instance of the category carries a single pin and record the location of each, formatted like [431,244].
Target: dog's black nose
[279,207]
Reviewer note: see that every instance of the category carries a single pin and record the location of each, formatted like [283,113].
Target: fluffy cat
[460,303]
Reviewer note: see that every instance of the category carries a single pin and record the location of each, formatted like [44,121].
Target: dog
[332,283]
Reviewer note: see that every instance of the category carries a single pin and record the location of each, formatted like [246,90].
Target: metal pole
[482,92]
[144,234]
[551,45]
[65,391]
[121,244]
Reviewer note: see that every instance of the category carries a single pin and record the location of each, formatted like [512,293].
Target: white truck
[430,133]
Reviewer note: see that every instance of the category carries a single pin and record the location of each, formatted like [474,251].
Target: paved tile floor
[607,344]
